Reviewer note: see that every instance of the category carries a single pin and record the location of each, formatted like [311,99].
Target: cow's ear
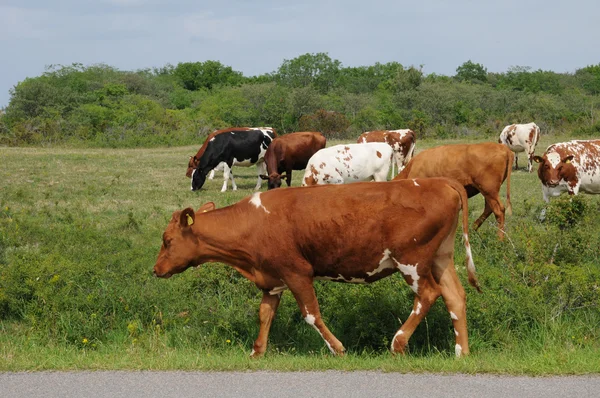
[208,206]
[567,159]
[538,159]
[187,218]
[264,177]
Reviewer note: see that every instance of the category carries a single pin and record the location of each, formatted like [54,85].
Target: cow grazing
[521,138]
[355,233]
[341,164]
[242,146]
[481,168]
[401,141]
[290,152]
[194,160]
[570,166]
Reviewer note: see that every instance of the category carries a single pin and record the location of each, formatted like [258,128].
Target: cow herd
[359,233]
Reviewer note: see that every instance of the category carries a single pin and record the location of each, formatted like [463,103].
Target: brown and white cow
[480,168]
[290,152]
[355,233]
[571,166]
[345,163]
[521,138]
[401,141]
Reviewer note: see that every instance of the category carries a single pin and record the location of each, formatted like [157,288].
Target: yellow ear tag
[204,211]
[190,220]
[568,161]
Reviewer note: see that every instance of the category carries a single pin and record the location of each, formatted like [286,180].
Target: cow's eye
[166,243]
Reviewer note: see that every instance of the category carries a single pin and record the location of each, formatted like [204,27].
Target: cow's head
[192,164]
[274,180]
[180,246]
[198,179]
[554,168]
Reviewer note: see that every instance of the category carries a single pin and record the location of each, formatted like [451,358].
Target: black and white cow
[244,147]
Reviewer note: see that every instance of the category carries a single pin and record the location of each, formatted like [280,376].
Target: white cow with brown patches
[571,166]
[342,164]
[521,138]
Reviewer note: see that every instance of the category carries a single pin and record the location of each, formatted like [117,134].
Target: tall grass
[81,228]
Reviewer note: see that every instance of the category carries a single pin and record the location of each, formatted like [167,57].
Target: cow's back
[463,162]
[370,215]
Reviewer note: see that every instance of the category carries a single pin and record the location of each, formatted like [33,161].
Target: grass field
[81,228]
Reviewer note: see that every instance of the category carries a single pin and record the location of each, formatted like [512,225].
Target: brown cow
[290,152]
[195,160]
[481,168]
[401,141]
[356,233]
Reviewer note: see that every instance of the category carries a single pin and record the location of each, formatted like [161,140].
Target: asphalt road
[298,384]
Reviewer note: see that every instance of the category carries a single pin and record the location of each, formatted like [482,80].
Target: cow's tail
[465,224]
[410,152]
[509,166]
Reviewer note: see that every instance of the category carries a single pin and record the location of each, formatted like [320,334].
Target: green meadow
[80,230]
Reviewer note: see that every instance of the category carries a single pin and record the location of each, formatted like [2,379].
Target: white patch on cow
[232,132]
[255,200]
[212,139]
[554,159]
[458,350]
[456,332]
[252,353]
[415,182]
[453,316]
[277,290]
[310,319]
[386,262]
[410,270]
[192,186]
[398,333]
[419,306]
[471,264]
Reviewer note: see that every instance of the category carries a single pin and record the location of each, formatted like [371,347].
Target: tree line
[99,105]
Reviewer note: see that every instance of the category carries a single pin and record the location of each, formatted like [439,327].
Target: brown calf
[480,168]
[290,152]
[356,233]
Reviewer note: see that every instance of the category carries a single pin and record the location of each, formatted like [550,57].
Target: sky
[256,36]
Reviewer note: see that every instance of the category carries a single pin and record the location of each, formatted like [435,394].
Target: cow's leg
[516,160]
[233,185]
[452,292]
[530,162]
[494,203]
[226,175]
[261,168]
[427,292]
[304,293]
[486,213]
[211,175]
[288,177]
[266,313]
